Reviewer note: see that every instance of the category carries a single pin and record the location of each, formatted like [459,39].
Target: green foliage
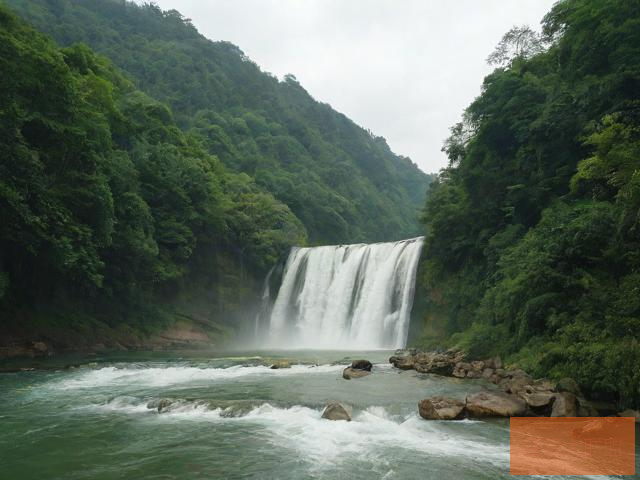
[106,204]
[533,245]
[343,183]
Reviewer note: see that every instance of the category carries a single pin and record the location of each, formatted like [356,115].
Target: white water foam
[166,376]
[327,443]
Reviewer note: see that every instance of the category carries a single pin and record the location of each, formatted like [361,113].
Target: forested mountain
[106,204]
[533,249]
[165,186]
[343,183]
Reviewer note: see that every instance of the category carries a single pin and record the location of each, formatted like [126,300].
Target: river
[233,417]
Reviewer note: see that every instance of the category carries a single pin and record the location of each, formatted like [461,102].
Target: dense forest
[342,182]
[533,246]
[167,183]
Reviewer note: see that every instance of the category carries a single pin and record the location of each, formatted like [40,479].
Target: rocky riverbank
[510,391]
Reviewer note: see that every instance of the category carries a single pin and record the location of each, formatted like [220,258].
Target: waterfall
[345,297]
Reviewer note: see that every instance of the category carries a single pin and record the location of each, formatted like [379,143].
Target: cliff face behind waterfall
[153,187]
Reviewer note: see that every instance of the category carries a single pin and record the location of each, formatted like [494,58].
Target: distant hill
[341,181]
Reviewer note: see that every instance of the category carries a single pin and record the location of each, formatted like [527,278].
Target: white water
[346,296]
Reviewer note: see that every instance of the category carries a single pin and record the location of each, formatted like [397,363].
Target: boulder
[337,411]
[630,413]
[544,385]
[564,405]
[280,364]
[487,373]
[350,372]
[515,381]
[477,365]
[568,385]
[161,405]
[537,400]
[361,365]
[403,362]
[441,408]
[440,363]
[495,404]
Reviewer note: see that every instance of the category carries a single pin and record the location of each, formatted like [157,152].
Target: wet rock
[403,361]
[350,372]
[568,385]
[441,408]
[161,404]
[515,381]
[544,385]
[337,411]
[495,404]
[487,373]
[630,413]
[433,362]
[459,373]
[477,365]
[565,404]
[280,364]
[361,365]
[538,399]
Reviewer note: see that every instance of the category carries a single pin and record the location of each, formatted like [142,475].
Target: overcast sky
[404,69]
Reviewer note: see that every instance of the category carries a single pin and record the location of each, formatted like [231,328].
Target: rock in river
[441,408]
[361,365]
[337,411]
[495,404]
[350,372]
[280,364]
[564,405]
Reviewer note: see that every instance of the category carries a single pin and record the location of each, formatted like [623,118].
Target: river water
[233,417]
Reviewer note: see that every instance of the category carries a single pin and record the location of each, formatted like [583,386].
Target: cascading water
[346,296]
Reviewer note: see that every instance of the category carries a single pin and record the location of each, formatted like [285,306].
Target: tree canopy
[533,246]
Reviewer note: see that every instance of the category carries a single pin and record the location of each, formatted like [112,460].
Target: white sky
[405,69]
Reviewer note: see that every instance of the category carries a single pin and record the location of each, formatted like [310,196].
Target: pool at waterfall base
[230,416]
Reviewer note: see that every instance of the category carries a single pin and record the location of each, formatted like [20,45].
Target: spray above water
[345,296]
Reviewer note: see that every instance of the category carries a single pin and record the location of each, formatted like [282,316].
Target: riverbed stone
[538,399]
[160,404]
[495,404]
[403,361]
[487,373]
[441,408]
[565,404]
[350,372]
[362,365]
[337,411]
[280,364]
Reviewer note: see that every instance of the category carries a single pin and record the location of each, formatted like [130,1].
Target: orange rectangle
[572,446]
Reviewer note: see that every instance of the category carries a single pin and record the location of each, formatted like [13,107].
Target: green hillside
[340,180]
[533,249]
